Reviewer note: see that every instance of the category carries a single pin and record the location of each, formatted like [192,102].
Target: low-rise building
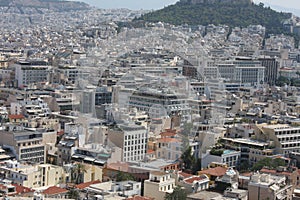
[229,157]
[33,176]
[266,186]
[158,185]
[194,184]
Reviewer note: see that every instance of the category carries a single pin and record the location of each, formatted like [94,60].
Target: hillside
[54,5]
[230,12]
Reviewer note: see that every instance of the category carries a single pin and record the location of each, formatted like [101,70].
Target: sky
[280,5]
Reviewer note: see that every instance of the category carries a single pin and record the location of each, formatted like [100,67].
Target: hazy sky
[291,5]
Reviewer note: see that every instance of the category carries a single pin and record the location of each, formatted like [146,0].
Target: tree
[196,166]
[121,176]
[187,158]
[73,194]
[77,173]
[269,163]
[177,194]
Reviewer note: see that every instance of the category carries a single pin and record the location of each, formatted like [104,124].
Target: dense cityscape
[102,104]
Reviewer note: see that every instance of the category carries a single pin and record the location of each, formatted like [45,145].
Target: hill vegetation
[219,12]
[55,5]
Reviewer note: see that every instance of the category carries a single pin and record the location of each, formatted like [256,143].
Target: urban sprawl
[90,109]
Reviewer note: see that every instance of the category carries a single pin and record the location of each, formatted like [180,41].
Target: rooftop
[217,171]
[54,190]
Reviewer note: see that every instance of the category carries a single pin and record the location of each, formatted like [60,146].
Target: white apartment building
[132,139]
[158,185]
[229,157]
[28,73]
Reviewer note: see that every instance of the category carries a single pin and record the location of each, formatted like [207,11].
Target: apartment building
[31,73]
[132,139]
[33,176]
[26,145]
[158,185]
[251,150]
[169,148]
[67,74]
[266,186]
[285,138]
[159,102]
[229,157]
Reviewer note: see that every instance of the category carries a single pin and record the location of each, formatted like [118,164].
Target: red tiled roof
[217,171]
[16,116]
[54,190]
[185,175]
[21,189]
[139,198]
[87,184]
[195,178]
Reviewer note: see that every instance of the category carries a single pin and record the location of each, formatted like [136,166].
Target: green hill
[230,12]
[54,5]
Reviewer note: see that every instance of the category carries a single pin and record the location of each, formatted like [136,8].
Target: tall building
[271,69]
[132,139]
[242,70]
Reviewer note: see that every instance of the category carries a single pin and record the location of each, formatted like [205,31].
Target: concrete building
[31,73]
[251,150]
[33,176]
[26,145]
[132,139]
[266,186]
[91,172]
[242,70]
[128,188]
[285,138]
[103,96]
[67,74]
[158,185]
[271,69]
[229,157]
[194,184]
[158,102]
[169,148]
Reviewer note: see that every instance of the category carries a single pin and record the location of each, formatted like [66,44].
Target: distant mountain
[234,13]
[54,5]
